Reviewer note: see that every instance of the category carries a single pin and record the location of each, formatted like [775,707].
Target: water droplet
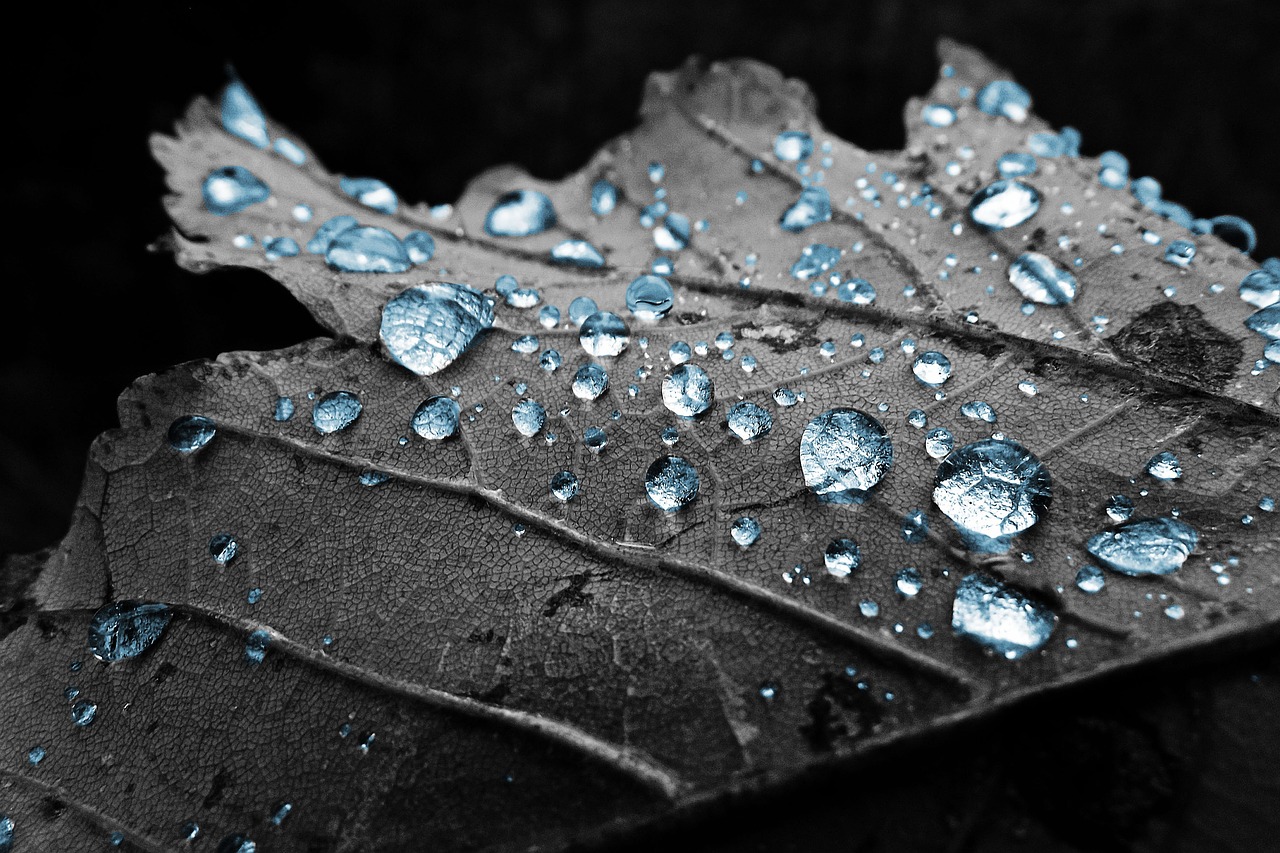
[189,433]
[1164,466]
[371,478]
[938,442]
[550,361]
[1267,503]
[594,439]
[35,755]
[815,259]
[938,115]
[1038,279]
[687,391]
[241,115]
[978,410]
[745,530]
[1004,98]
[520,213]
[868,608]
[280,247]
[792,146]
[1260,289]
[231,189]
[932,368]
[564,486]
[289,150]
[603,334]
[843,450]
[6,833]
[1090,579]
[1145,546]
[604,198]
[1119,508]
[657,172]
[813,206]
[256,645]
[1004,204]
[650,297]
[1180,253]
[528,417]
[237,843]
[125,629]
[581,308]
[673,234]
[223,547]
[1000,617]
[1265,322]
[915,527]
[842,557]
[748,421]
[370,192]
[319,244]
[1016,164]
[908,582]
[671,483]
[367,249]
[857,291]
[426,327]
[590,382]
[420,245]
[525,344]
[281,813]
[785,397]
[993,488]
[335,412]
[436,419]
[577,253]
[83,713]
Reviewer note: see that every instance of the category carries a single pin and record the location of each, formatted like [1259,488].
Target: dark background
[425,96]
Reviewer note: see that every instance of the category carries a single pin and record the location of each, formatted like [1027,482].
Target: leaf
[518,672]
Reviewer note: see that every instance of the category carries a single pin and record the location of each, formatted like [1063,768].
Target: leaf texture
[537,673]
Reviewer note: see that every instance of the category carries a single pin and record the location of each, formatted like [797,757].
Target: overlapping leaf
[536,671]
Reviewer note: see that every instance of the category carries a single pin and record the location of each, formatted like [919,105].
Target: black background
[425,96]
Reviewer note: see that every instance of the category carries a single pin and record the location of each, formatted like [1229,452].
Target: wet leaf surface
[596,665]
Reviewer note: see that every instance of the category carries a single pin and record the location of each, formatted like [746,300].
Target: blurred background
[424,96]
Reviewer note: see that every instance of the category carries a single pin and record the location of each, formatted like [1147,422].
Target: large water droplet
[1038,279]
[650,297]
[1164,466]
[231,189]
[241,115]
[577,253]
[1145,546]
[1265,322]
[992,487]
[1004,204]
[842,557]
[843,450]
[603,334]
[1260,289]
[520,213]
[436,419]
[1004,98]
[687,391]
[813,206]
[791,146]
[671,483]
[125,629]
[335,412]
[319,244]
[1000,617]
[426,327]
[748,421]
[932,368]
[590,382]
[189,433]
[366,248]
[528,417]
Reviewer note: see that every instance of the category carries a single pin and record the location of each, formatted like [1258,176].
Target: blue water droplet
[237,843]
[1045,144]
[842,557]
[280,247]
[671,483]
[745,530]
[604,198]
[979,410]
[992,487]
[1016,164]
[366,248]
[1260,289]
[319,244]
[1180,253]
[548,316]
[687,391]
[256,645]
[815,259]
[603,334]
[673,233]
[868,608]
[932,368]
[436,419]
[1004,98]
[6,833]
[938,115]
[426,327]
[590,381]
[83,713]
[1164,466]
[577,253]
[650,297]
[857,291]
[189,433]
[813,206]
[748,421]
[281,813]
[372,193]
[289,150]
[528,417]
[1090,579]
[550,360]
[915,527]
[1000,617]
[908,582]
[520,213]
[1113,171]
[1119,508]
[223,547]
[371,477]
[231,189]
[335,412]
[581,308]
[1144,546]
[792,146]
[1265,322]
[844,450]
[594,439]
[241,115]
[1040,280]
[525,344]
[420,246]
[564,486]
[36,754]
[1003,204]
[123,630]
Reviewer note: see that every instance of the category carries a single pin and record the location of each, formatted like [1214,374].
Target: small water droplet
[908,582]
[125,629]
[223,547]
[813,206]
[83,713]
[577,253]
[650,297]
[437,418]
[1004,98]
[792,146]
[367,248]
[371,192]
[581,308]
[189,433]
[671,483]
[256,645]
[938,115]
[842,557]
[520,213]
[564,486]
[1004,204]
[978,410]
[237,843]
[420,245]
[604,198]
[1038,279]
[938,442]
[232,189]
[241,115]
[932,368]
[748,421]
[1119,508]
[687,391]
[1164,466]
[528,417]
[603,334]
[745,530]
[1090,579]
[1180,253]
[590,382]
